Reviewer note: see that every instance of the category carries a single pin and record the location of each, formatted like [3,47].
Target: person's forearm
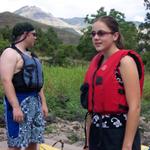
[10,93]
[43,101]
[88,125]
[131,126]
[42,96]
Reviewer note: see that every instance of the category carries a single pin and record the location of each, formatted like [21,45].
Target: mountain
[37,14]
[76,21]
[67,35]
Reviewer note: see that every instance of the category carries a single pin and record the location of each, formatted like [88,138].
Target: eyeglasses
[34,33]
[100,33]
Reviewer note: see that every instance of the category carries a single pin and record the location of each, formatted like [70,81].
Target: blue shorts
[31,130]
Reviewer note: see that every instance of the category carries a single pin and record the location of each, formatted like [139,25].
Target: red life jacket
[106,95]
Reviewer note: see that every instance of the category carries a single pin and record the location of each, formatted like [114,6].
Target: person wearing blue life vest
[22,79]
[112,91]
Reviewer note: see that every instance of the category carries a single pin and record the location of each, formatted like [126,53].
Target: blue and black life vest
[30,78]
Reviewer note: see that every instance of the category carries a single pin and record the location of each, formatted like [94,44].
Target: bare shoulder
[127,61]
[9,53]
[128,67]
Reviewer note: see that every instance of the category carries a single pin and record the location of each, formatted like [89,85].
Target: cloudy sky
[134,10]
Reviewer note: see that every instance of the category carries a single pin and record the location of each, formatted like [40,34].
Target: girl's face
[102,37]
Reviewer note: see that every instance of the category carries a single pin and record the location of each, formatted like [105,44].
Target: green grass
[62,90]
[146,109]
[146,92]
[50,129]
[146,98]
[62,86]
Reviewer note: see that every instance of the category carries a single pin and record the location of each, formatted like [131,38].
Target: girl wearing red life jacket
[113,88]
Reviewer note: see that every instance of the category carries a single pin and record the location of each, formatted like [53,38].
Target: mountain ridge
[37,14]
[67,35]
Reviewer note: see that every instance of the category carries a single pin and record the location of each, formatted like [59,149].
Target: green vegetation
[62,90]
[73,137]
[146,97]
[60,45]
[50,129]
[144,29]
[62,86]
[48,44]
[128,30]
[146,109]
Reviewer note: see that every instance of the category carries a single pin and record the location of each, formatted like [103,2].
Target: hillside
[37,14]
[67,35]
[78,21]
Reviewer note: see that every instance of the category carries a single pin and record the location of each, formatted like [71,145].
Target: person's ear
[116,36]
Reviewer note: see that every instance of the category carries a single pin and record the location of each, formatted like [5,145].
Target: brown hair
[114,27]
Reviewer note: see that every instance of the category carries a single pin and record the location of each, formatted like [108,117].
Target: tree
[130,35]
[144,37]
[100,12]
[3,44]
[47,42]
[144,31]
[147,4]
[5,38]
[52,37]
[6,33]
[85,46]
[128,29]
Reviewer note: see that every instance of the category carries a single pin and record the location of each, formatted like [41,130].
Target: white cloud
[139,18]
[133,9]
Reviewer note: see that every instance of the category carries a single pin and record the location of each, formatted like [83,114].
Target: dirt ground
[3,145]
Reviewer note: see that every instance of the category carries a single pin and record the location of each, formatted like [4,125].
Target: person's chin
[99,49]
[31,45]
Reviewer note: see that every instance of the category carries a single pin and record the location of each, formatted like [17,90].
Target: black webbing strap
[60,141]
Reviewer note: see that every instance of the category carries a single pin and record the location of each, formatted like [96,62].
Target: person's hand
[85,148]
[45,110]
[127,148]
[18,115]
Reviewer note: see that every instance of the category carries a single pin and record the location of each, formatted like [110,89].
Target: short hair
[20,28]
